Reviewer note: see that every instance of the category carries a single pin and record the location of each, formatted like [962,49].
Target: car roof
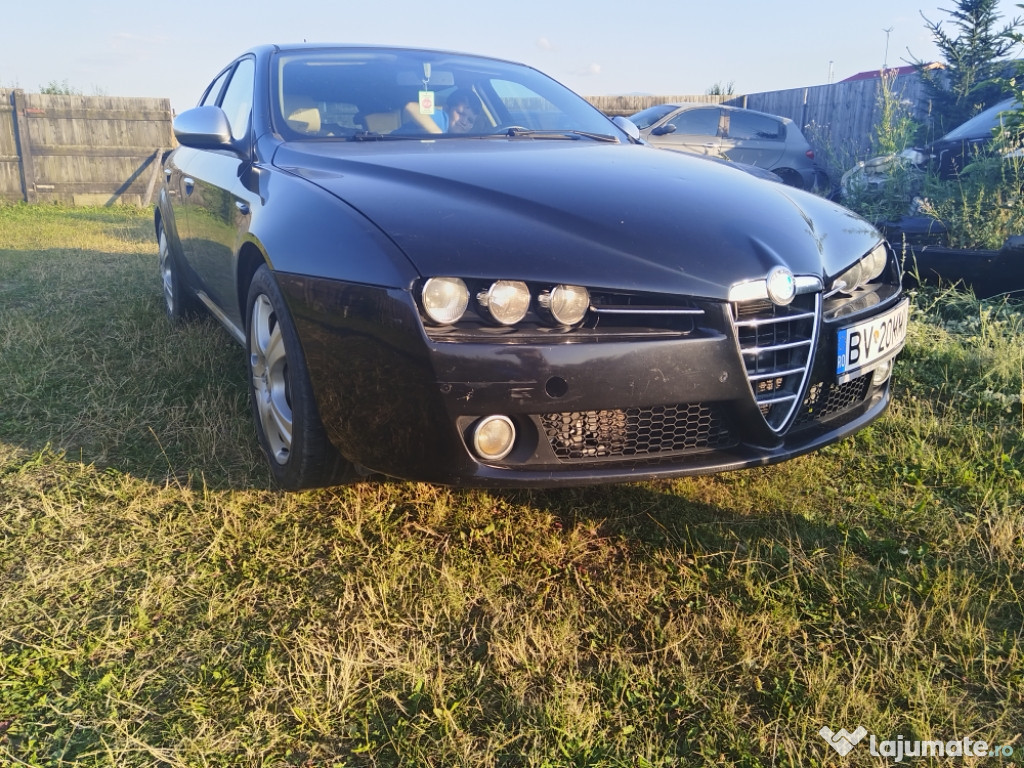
[290,47]
[727,107]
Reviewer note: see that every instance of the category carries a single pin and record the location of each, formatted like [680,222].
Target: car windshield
[982,124]
[374,94]
[651,115]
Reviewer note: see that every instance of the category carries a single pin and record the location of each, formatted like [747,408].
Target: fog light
[493,437]
[882,373]
[507,301]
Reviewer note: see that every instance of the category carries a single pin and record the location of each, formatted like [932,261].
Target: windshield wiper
[518,132]
[366,136]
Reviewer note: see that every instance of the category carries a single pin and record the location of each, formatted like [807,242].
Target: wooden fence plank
[21,135]
[10,160]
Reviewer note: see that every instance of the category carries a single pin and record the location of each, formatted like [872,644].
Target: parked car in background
[541,299]
[946,157]
[741,135]
[920,238]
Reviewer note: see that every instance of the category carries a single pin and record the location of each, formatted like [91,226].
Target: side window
[747,125]
[700,122]
[525,107]
[213,92]
[237,101]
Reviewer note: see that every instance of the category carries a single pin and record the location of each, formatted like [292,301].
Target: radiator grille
[777,345]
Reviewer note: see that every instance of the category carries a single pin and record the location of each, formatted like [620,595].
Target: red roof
[890,72]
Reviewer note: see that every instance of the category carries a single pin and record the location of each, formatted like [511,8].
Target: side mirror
[204,128]
[662,130]
[627,125]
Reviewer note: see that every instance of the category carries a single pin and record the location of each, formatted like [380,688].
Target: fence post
[23,142]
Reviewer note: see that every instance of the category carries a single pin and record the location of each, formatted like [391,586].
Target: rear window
[982,124]
[750,125]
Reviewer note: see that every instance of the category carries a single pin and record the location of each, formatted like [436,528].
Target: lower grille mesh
[827,398]
[636,431]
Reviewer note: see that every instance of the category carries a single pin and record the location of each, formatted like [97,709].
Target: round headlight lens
[568,304]
[445,299]
[493,437]
[506,300]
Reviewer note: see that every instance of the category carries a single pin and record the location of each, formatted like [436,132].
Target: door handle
[190,184]
[167,173]
[242,206]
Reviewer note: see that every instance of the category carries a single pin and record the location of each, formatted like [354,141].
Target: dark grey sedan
[740,135]
[453,269]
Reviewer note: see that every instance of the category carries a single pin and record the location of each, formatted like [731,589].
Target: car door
[694,129]
[218,203]
[753,138]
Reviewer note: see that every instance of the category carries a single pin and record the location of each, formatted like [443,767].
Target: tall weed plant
[979,208]
[883,186]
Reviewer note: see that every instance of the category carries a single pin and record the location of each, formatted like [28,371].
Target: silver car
[740,135]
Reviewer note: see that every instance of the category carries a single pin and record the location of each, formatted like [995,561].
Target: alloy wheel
[268,364]
[167,273]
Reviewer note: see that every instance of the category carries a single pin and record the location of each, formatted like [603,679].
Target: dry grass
[163,606]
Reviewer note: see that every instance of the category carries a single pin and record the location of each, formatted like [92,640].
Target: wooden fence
[83,150]
[628,105]
[839,119]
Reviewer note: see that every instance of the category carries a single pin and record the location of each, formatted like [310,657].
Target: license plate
[863,347]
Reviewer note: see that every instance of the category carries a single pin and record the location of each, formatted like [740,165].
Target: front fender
[309,231]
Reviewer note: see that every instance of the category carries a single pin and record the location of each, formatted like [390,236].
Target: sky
[596,47]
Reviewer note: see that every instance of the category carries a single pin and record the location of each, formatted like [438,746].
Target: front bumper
[604,409]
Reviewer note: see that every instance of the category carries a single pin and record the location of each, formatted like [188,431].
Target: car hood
[604,215]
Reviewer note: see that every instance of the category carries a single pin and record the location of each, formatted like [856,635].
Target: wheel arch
[250,258]
[791,177]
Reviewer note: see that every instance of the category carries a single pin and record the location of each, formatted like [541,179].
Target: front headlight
[864,271]
[507,301]
[445,299]
[567,304]
[874,263]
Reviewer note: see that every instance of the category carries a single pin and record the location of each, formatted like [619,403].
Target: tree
[1012,133]
[974,56]
[722,90]
[53,88]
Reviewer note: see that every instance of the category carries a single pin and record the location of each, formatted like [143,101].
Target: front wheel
[284,408]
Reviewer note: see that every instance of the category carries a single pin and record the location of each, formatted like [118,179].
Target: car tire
[284,409]
[179,304]
[822,184]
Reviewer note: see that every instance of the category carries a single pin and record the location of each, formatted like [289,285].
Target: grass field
[162,605]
